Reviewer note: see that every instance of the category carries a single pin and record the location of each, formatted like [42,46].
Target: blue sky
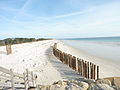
[59,18]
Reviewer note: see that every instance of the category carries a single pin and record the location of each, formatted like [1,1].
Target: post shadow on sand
[65,71]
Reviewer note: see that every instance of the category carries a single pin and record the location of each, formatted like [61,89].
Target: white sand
[37,57]
[108,68]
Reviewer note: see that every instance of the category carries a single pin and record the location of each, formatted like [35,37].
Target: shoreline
[98,49]
[87,53]
[106,66]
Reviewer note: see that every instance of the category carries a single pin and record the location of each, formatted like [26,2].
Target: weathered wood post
[12,79]
[94,77]
[85,69]
[8,46]
[77,64]
[62,57]
[97,72]
[8,49]
[82,67]
[70,60]
[25,81]
[55,45]
[59,54]
[74,63]
[27,76]
[55,51]
[67,58]
[88,70]
[91,70]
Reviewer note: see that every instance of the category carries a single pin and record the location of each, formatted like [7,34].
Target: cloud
[9,9]
[22,11]
[88,22]
[74,13]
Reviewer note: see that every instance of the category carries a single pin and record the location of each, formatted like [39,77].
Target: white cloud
[22,11]
[99,20]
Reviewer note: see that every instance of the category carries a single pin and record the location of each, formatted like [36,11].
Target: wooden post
[85,69]
[82,67]
[88,70]
[27,72]
[63,57]
[74,63]
[67,58]
[94,77]
[77,64]
[8,49]
[12,79]
[91,70]
[25,81]
[66,55]
[54,51]
[97,72]
[59,54]
[55,45]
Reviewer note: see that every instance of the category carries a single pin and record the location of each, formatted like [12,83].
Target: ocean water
[105,47]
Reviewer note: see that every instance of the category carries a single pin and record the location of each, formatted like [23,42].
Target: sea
[103,47]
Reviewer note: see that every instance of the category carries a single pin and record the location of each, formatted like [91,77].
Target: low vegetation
[19,40]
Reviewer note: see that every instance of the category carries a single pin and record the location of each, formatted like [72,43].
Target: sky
[59,18]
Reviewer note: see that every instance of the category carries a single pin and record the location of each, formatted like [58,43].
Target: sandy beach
[37,57]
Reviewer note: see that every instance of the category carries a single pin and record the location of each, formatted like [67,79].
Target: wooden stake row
[84,68]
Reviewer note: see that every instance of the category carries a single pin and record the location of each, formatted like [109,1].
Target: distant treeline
[19,40]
